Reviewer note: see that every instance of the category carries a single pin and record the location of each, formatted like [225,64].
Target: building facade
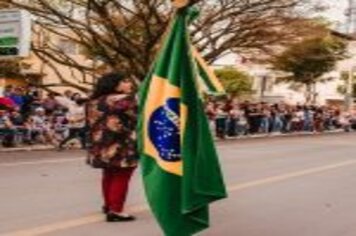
[269,89]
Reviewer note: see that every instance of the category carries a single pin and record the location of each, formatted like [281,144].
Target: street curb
[219,141]
[279,136]
[27,149]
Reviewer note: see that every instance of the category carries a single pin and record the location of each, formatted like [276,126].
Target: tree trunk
[309,94]
[314,94]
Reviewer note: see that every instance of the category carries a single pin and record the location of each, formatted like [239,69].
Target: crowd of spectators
[231,119]
[27,117]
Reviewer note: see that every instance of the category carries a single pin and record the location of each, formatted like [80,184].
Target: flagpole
[177,4]
[181,3]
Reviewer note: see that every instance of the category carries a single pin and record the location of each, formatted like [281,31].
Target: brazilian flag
[207,81]
[181,171]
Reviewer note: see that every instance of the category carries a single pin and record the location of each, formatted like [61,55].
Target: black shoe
[105,209]
[117,217]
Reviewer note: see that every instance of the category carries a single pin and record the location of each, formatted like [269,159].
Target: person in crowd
[33,100]
[241,121]
[287,121]
[7,130]
[327,118]
[345,121]
[301,118]
[76,123]
[28,103]
[17,97]
[66,100]
[318,120]
[210,112]
[254,117]
[21,126]
[112,120]
[221,121]
[353,120]
[308,114]
[60,124]
[34,92]
[76,96]
[6,103]
[295,121]
[277,119]
[8,91]
[50,103]
[233,115]
[266,119]
[41,127]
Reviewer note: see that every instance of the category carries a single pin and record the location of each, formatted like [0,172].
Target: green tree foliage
[235,82]
[308,60]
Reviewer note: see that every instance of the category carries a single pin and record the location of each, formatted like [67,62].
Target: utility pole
[349,100]
[351,29]
[351,17]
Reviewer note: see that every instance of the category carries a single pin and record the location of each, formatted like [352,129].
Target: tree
[236,83]
[125,35]
[307,61]
[10,69]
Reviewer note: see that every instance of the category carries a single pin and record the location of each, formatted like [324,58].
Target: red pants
[115,188]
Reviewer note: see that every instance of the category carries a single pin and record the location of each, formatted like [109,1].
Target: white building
[268,89]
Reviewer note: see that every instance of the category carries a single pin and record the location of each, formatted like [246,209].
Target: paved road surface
[280,187]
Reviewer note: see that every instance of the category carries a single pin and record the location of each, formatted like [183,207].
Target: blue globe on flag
[164,130]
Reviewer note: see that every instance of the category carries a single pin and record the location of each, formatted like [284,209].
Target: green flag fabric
[180,167]
[207,81]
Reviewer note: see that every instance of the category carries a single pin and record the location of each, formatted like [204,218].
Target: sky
[335,13]
[336,10]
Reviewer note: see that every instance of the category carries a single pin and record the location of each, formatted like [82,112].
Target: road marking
[95,218]
[292,175]
[24,163]
[50,228]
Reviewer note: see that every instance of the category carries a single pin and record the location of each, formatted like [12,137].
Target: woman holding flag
[112,120]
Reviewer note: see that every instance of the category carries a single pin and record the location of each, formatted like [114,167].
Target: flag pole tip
[180,3]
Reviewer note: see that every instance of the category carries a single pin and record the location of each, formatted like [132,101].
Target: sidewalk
[39,147]
[281,135]
[247,137]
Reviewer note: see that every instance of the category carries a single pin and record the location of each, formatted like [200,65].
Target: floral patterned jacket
[112,122]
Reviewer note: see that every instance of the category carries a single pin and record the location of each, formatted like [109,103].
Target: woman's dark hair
[106,85]
[81,101]
[74,95]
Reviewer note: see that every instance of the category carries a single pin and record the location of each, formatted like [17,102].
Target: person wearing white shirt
[76,119]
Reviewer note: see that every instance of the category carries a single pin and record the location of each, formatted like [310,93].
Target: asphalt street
[298,186]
